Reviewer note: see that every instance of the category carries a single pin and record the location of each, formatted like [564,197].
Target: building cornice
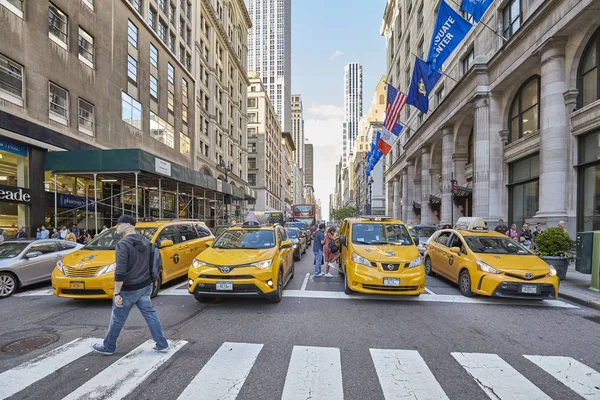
[245,13]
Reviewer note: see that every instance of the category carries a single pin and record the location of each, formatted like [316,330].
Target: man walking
[319,240]
[133,286]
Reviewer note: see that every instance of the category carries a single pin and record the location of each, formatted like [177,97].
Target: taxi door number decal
[176,258]
[451,260]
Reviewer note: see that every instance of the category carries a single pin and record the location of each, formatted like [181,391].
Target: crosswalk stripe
[497,378]
[224,374]
[122,377]
[314,372]
[24,375]
[580,378]
[404,374]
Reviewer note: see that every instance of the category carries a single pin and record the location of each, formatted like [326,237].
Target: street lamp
[227,171]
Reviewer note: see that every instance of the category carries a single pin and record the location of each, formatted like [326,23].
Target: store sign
[14,148]
[68,201]
[162,167]
[14,194]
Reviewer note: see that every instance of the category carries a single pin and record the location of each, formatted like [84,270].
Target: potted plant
[554,246]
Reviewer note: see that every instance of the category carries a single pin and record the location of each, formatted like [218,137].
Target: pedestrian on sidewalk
[44,233]
[71,236]
[512,232]
[21,234]
[133,286]
[330,251]
[525,236]
[318,242]
[38,233]
[63,232]
[55,234]
[501,227]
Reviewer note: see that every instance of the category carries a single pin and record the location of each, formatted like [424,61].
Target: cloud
[324,111]
[337,53]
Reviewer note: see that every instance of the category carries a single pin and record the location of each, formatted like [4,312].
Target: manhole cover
[29,344]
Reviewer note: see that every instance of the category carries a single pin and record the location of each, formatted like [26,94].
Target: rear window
[424,231]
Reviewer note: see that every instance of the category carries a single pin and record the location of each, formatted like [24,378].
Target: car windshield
[495,245]
[11,250]
[107,240]
[292,233]
[424,231]
[381,234]
[246,239]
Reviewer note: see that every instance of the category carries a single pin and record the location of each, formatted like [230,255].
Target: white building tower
[353,109]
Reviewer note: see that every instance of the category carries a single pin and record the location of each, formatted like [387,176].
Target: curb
[579,300]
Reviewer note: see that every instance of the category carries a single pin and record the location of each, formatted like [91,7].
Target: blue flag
[375,154]
[421,85]
[450,29]
[476,8]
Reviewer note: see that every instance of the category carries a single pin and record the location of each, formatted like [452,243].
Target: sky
[327,35]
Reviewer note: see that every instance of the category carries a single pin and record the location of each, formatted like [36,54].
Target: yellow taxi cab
[379,256]
[251,260]
[488,263]
[88,273]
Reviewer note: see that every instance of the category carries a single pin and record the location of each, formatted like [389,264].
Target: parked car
[304,228]
[423,233]
[299,242]
[25,262]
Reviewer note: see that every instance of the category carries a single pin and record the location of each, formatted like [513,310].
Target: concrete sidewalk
[575,288]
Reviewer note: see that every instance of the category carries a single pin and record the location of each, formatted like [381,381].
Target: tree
[343,213]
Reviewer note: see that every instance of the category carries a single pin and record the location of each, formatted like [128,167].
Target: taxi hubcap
[7,285]
[427,265]
[465,282]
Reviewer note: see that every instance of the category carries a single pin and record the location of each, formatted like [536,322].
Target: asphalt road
[316,344]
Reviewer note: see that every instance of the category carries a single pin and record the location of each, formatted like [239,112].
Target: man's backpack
[155,262]
[333,246]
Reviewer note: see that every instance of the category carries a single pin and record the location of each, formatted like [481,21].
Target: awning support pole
[111,204]
[55,204]
[122,197]
[95,205]
[137,203]
[160,214]
[87,201]
[177,197]
[192,202]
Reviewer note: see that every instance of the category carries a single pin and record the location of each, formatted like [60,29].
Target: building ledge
[586,119]
[522,147]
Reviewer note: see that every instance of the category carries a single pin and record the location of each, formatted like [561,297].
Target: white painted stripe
[314,373]
[122,377]
[305,282]
[224,374]
[24,375]
[497,378]
[39,292]
[430,292]
[580,378]
[403,374]
[175,290]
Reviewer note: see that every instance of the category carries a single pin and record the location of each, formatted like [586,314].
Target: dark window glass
[169,233]
[187,232]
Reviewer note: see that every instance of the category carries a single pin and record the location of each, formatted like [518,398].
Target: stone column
[447,175]
[553,138]
[389,198]
[481,164]
[409,214]
[396,197]
[425,186]
[405,201]
[571,192]
[459,160]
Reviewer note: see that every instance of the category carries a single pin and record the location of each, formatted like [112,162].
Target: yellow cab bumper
[372,280]
[245,282]
[501,285]
[98,287]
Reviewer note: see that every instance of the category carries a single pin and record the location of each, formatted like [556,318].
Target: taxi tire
[347,288]
[201,299]
[276,298]
[464,283]
[429,271]
[156,286]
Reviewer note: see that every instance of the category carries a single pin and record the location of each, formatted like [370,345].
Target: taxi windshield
[495,245]
[107,240]
[395,234]
[246,239]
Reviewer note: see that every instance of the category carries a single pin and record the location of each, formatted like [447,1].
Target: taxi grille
[393,267]
[226,277]
[390,288]
[83,292]
[85,272]
[522,276]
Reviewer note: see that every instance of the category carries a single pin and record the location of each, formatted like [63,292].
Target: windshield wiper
[361,242]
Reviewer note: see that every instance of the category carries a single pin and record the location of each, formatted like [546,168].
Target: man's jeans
[318,261]
[140,298]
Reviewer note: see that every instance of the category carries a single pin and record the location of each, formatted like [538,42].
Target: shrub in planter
[554,246]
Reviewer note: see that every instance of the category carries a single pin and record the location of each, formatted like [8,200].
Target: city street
[318,343]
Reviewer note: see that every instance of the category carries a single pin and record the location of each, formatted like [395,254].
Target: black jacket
[133,262]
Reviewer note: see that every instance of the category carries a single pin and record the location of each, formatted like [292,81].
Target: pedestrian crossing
[312,373]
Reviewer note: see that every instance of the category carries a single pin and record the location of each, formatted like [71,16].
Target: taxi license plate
[77,285]
[391,281]
[529,289]
[224,285]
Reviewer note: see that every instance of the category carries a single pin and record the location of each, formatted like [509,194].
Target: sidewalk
[576,289]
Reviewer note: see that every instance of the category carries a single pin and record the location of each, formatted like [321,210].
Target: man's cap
[126,219]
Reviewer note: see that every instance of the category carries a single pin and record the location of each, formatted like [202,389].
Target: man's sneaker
[161,349]
[97,347]
[319,274]
[328,276]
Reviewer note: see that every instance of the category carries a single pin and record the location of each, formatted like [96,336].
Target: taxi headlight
[487,268]
[263,264]
[197,263]
[360,260]
[107,269]
[552,271]
[61,267]
[416,262]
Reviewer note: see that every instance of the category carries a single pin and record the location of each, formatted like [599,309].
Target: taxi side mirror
[455,250]
[209,242]
[416,240]
[286,244]
[343,240]
[166,243]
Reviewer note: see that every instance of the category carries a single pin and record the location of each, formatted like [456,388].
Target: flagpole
[439,70]
[484,24]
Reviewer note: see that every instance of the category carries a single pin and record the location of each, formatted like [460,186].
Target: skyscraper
[353,111]
[308,163]
[269,52]
[298,129]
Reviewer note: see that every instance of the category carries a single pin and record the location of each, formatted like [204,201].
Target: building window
[57,26]
[184,89]
[467,61]
[137,5]
[420,51]
[86,117]
[14,6]
[153,87]
[252,118]
[171,102]
[523,189]
[252,179]
[172,42]
[511,18]
[132,68]
[153,56]
[11,81]
[252,163]
[588,205]
[171,73]
[408,6]
[184,113]
[470,154]
[162,31]
[467,16]
[185,145]
[439,96]
[252,103]
[589,78]
[161,130]
[251,147]
[420,17]
[152,18]
[407,47]
[132,33]
[58,102]
[525,110]
[131,111]
[86,48]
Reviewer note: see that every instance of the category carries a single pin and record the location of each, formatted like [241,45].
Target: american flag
[395,103]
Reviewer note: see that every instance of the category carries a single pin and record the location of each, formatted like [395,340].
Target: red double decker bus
[306,213]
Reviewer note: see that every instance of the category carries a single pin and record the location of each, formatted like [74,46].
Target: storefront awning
[434,200]
[416,205]
[127,161]
[463,192]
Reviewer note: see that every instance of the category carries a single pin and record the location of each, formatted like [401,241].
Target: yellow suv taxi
[88,273]
[488,263]
[379,256]
[246,261]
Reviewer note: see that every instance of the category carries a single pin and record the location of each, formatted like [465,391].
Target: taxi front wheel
[276,298]
[464,283]
[428,267]
[347,288]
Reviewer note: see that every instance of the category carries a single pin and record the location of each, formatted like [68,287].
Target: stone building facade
[515,122]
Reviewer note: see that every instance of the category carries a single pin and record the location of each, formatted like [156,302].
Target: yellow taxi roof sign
[474,224]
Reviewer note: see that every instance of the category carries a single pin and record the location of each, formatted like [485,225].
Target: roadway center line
[305,282]
[430,292]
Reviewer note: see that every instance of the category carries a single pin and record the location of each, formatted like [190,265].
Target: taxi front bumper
[373,280]
[501,285]
[98,287]
[245,282]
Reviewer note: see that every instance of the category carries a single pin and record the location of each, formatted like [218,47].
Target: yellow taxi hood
[235,256]
[514,262]
[90,258]
[387,253]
